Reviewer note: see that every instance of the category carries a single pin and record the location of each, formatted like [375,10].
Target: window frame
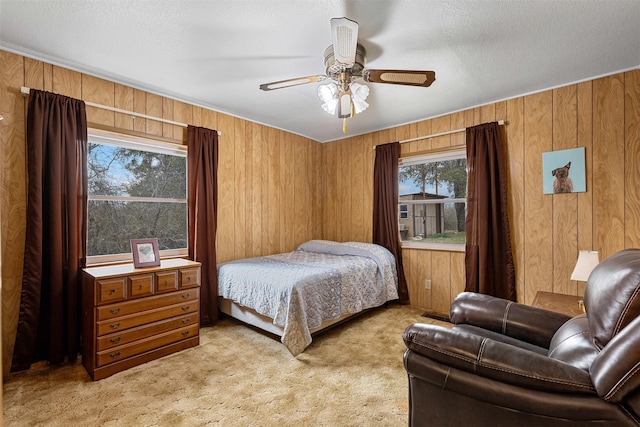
[142,144]
[431,156]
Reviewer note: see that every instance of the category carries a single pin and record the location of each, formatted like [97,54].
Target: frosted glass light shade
[587,261]
[328,94]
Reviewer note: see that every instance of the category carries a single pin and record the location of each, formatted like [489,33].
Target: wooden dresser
[132,316]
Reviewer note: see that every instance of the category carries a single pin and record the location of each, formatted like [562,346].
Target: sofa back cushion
[572,344]
[612,295]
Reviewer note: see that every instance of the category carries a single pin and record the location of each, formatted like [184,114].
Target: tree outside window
[434,189]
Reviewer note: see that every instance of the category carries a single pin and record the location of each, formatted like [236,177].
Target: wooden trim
[434,151]
[137,134]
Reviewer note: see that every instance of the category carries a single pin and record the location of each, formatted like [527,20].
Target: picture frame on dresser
[145,253]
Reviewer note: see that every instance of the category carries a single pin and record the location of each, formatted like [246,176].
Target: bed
[297,293]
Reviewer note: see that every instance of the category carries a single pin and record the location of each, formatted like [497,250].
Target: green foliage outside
[125,173]
[452,175]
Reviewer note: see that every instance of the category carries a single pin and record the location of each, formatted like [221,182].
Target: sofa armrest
[616,371]
[530,324]
[495,360]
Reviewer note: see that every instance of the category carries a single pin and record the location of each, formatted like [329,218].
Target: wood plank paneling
[225,236]
[632,160]
[516,174]
[608,164]
[441,281]
[13,190]
[67,82]
[153,107]
[585,199]
[565,206]
[326,190]
[273,192]
[101,92]
[271,183]
[123,99]
[240,186]
[538,260]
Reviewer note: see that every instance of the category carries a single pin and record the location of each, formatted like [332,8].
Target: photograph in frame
[145,253]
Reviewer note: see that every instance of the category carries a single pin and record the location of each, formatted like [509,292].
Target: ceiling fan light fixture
[359,95]
[328,94]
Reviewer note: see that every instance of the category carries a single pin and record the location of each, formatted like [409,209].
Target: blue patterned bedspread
[321,280]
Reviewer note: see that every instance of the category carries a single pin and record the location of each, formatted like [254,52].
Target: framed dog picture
[563,171]
[145,252]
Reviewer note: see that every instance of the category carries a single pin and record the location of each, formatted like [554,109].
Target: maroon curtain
[203,204]
[49,321]
[385,208]
[488,255]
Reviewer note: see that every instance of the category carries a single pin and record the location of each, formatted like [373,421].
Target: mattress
[320,282]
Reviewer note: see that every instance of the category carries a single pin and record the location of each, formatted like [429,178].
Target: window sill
[432,246]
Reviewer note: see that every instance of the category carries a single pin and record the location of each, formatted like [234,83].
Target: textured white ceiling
[216,53]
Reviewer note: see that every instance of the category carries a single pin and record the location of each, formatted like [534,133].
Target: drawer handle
[115,325]
[185,321]
[115,310]
[185,333]
[115,355]
[188,279]
[165,283]
[141,287]
[115,340]
[185,308]
[185,296]
[112,291]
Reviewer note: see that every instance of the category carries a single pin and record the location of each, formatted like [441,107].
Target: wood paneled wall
[547,231]
[270,181]
[278,189]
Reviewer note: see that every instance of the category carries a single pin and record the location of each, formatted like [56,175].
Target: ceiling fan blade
[292,82]
[400,77]
[345,39]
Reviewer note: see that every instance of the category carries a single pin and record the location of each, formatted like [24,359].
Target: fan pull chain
[344,125]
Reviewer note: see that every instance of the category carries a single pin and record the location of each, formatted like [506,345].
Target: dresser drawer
[189,277]
[134,315]
[111,290]
[120,338]
[136,306]
[166,281]
[118,353]
[140,285]
[133,320]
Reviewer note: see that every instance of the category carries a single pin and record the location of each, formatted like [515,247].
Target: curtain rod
[500,122]
[25,91]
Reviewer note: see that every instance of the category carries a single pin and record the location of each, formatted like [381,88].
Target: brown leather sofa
[509,364]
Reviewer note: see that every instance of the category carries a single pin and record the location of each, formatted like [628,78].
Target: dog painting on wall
[555,177]
[562,182]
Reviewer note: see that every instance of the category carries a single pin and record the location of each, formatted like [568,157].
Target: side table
[571,305]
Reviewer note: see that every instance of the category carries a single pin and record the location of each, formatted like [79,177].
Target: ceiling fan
[344,61]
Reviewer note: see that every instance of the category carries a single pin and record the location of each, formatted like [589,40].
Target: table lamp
[587,261]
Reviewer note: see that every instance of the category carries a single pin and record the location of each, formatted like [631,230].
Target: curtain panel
[49,319]
[202,163]
[385,208]
[488,254]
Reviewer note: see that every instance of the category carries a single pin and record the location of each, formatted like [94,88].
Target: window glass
[434,189]
[137,190]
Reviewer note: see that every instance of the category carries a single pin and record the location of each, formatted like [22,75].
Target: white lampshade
[587,261]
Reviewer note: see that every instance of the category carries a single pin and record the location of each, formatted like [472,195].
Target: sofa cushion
[612,295]
[572,344]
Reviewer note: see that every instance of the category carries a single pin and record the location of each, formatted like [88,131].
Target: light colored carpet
[351,375]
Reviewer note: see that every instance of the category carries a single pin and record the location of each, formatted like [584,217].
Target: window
[433,187]
[404,211]
[137,190]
